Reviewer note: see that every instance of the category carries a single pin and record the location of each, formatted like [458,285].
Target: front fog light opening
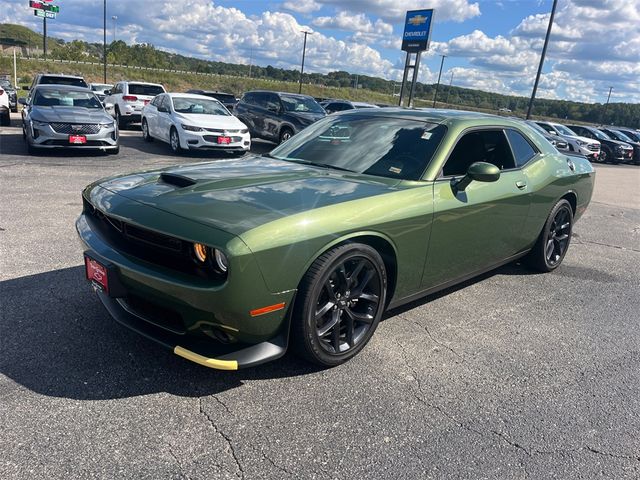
[221,261]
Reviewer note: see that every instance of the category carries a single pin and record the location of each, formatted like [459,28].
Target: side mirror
[22,101]
[480,172]
[25,88]
[163,109]
[107,92]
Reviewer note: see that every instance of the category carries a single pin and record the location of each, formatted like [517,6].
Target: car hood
[239,195]
[210,121]
[582,139]
[307,117]
[70,114]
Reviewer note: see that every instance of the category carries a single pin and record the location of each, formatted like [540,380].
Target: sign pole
[414,80]
[404,79]
[44,36]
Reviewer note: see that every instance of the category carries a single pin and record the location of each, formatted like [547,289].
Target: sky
[492,45]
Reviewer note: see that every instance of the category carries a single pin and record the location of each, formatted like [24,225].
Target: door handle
[520,184]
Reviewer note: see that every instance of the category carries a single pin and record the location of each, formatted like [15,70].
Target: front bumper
[46,137]
[209,141]
[208,323]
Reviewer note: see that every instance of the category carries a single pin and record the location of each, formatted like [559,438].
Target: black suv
[630,139]
[610,150]
[277,116]
[227,99]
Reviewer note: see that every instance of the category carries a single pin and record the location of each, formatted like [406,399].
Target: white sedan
[188,121]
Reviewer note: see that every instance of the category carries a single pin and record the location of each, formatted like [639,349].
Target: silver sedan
[60,116]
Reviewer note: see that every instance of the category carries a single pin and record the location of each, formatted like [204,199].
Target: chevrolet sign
[417,29]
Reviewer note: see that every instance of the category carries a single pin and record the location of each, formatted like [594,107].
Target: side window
[155,101]
[272,101]
[165,102]
[522,149]
[489,146]
[260,100]
[547,128]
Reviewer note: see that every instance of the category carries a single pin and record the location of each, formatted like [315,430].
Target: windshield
[300,104]
[539,129]
[150,90]
[100,87]
[51,97]
[632,135]
[564,130]
[389,147]
[198,106]
[74,82]
[619,136]
[599,135]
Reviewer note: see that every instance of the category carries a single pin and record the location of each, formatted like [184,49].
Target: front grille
[214,139]
[594,147]
[76,128]
[148,245]
[221,132]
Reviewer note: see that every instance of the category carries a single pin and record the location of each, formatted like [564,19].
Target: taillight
[1,91]
[130,98]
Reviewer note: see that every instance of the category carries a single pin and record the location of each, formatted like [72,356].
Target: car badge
[417,20]
[76,128]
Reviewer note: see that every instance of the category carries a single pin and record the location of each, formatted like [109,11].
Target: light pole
[304,48]
[104,40]
[449,89]
[544,52]
[115,22]
[435,96]
[604,111]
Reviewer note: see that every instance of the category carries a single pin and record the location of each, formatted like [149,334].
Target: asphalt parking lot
[511,375]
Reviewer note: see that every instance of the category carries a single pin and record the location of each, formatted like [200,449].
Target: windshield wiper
[322,165]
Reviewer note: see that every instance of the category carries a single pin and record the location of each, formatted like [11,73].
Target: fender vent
[177,180]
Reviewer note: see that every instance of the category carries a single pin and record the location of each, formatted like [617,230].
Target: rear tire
[145,131]
[122,125]
[285,134]
[554,239]
[6,120]
[339,304]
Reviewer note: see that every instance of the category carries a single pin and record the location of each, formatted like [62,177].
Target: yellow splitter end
[206,361]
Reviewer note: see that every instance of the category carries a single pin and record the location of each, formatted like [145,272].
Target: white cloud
[302,6]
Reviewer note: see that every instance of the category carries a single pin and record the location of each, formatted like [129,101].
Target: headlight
[221,261]
[619,148]
[107,125]
[35,123]
[191,128]
[244,130]
[582,144]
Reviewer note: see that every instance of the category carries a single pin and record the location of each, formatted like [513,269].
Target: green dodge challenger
[228,263]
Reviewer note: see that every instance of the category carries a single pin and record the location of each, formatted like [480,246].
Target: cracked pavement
[512,375]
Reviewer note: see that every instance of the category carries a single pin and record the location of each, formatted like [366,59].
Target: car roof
[64,75]
[143,83]
[190,95]
[197,90]
[55,86]
[282,93]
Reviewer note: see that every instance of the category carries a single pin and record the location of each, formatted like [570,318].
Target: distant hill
[20,36]
[146,55]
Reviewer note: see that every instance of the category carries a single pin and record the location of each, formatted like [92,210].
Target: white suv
[128,98]
[588,147]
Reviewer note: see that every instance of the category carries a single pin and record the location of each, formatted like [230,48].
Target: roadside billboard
[417,30]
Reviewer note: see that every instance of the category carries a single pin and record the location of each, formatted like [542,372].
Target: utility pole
[104,40]
[250,60]
[304,48]
[449,89]
[115,22]
[604,111]
[44,36]
[544,52]
[435,96]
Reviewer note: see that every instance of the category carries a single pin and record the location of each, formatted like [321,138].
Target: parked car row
[65,111]
[598,144]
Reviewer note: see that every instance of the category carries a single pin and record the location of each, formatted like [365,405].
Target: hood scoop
[179,181]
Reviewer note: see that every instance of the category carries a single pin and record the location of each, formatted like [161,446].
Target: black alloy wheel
[553,242]
[604,155]
[340,303]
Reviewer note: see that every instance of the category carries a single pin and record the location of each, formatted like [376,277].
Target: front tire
[552,244]
[339,305]
[122,125]
[174,141]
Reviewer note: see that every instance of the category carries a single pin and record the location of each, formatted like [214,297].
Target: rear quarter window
[522,149]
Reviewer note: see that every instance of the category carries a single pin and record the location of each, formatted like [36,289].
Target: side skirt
[423,293]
